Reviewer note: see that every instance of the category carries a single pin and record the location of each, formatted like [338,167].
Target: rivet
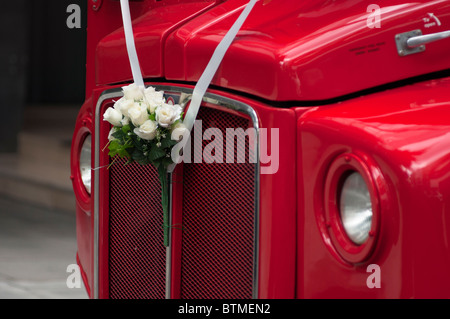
[96,4]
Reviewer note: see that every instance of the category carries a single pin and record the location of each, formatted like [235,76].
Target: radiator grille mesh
[218,218]
[218,221]
[136,250]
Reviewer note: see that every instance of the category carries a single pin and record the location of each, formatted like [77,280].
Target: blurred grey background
[42,61]
[42,78]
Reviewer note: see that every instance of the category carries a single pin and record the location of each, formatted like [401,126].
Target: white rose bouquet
[142,132]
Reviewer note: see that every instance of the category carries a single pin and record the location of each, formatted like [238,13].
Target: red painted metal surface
[291,50]
[404,132]
[111,50]
[106,20]
[286,50]
[299,52]
[84,125]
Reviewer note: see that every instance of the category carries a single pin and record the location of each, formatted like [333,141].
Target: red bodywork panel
[286,50]
[405,132]
[149,42]
[299,52]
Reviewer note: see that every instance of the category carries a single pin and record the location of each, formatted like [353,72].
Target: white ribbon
[213,64]
[207,75]
[131,48]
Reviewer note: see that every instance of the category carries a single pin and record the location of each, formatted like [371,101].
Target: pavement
[37,208]
[36,246]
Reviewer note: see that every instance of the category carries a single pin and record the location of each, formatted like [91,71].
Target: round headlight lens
[356,208]
[85,163]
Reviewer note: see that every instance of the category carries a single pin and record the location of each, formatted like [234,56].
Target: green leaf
[117,148]
[139,157]
[126,128]
[167,142]
[119,135]
[156,153]
[137,142]
[123,153]
[113,147]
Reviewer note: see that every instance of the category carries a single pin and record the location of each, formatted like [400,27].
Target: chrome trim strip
[169,249]
[208,97]
[109,94]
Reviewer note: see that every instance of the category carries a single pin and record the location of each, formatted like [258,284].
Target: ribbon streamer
[209,72]
[197,95]
[129,40]
[213,64]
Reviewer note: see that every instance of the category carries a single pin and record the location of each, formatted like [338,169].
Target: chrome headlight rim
[340,169]
[82,130]
[85,162]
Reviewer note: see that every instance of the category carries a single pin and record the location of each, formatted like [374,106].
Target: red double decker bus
[352,198]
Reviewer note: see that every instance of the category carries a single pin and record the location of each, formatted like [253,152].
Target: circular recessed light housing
[352,207]
[85,165]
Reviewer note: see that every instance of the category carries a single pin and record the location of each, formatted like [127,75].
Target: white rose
[113,116]
[133,92]
[153,98]
[111,132]
[138,114]
[125,120]
[117,104]
[167,114]
[147,130]
[179,130]
[123,105]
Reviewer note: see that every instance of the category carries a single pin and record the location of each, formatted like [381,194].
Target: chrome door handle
[423,39]
[414,42]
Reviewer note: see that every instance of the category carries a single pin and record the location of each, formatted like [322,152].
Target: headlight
[85,163]
[352,205]
[356,208]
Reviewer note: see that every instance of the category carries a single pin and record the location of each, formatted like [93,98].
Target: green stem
[162,172]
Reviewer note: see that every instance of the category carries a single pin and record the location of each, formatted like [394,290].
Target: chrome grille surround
[186,93]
